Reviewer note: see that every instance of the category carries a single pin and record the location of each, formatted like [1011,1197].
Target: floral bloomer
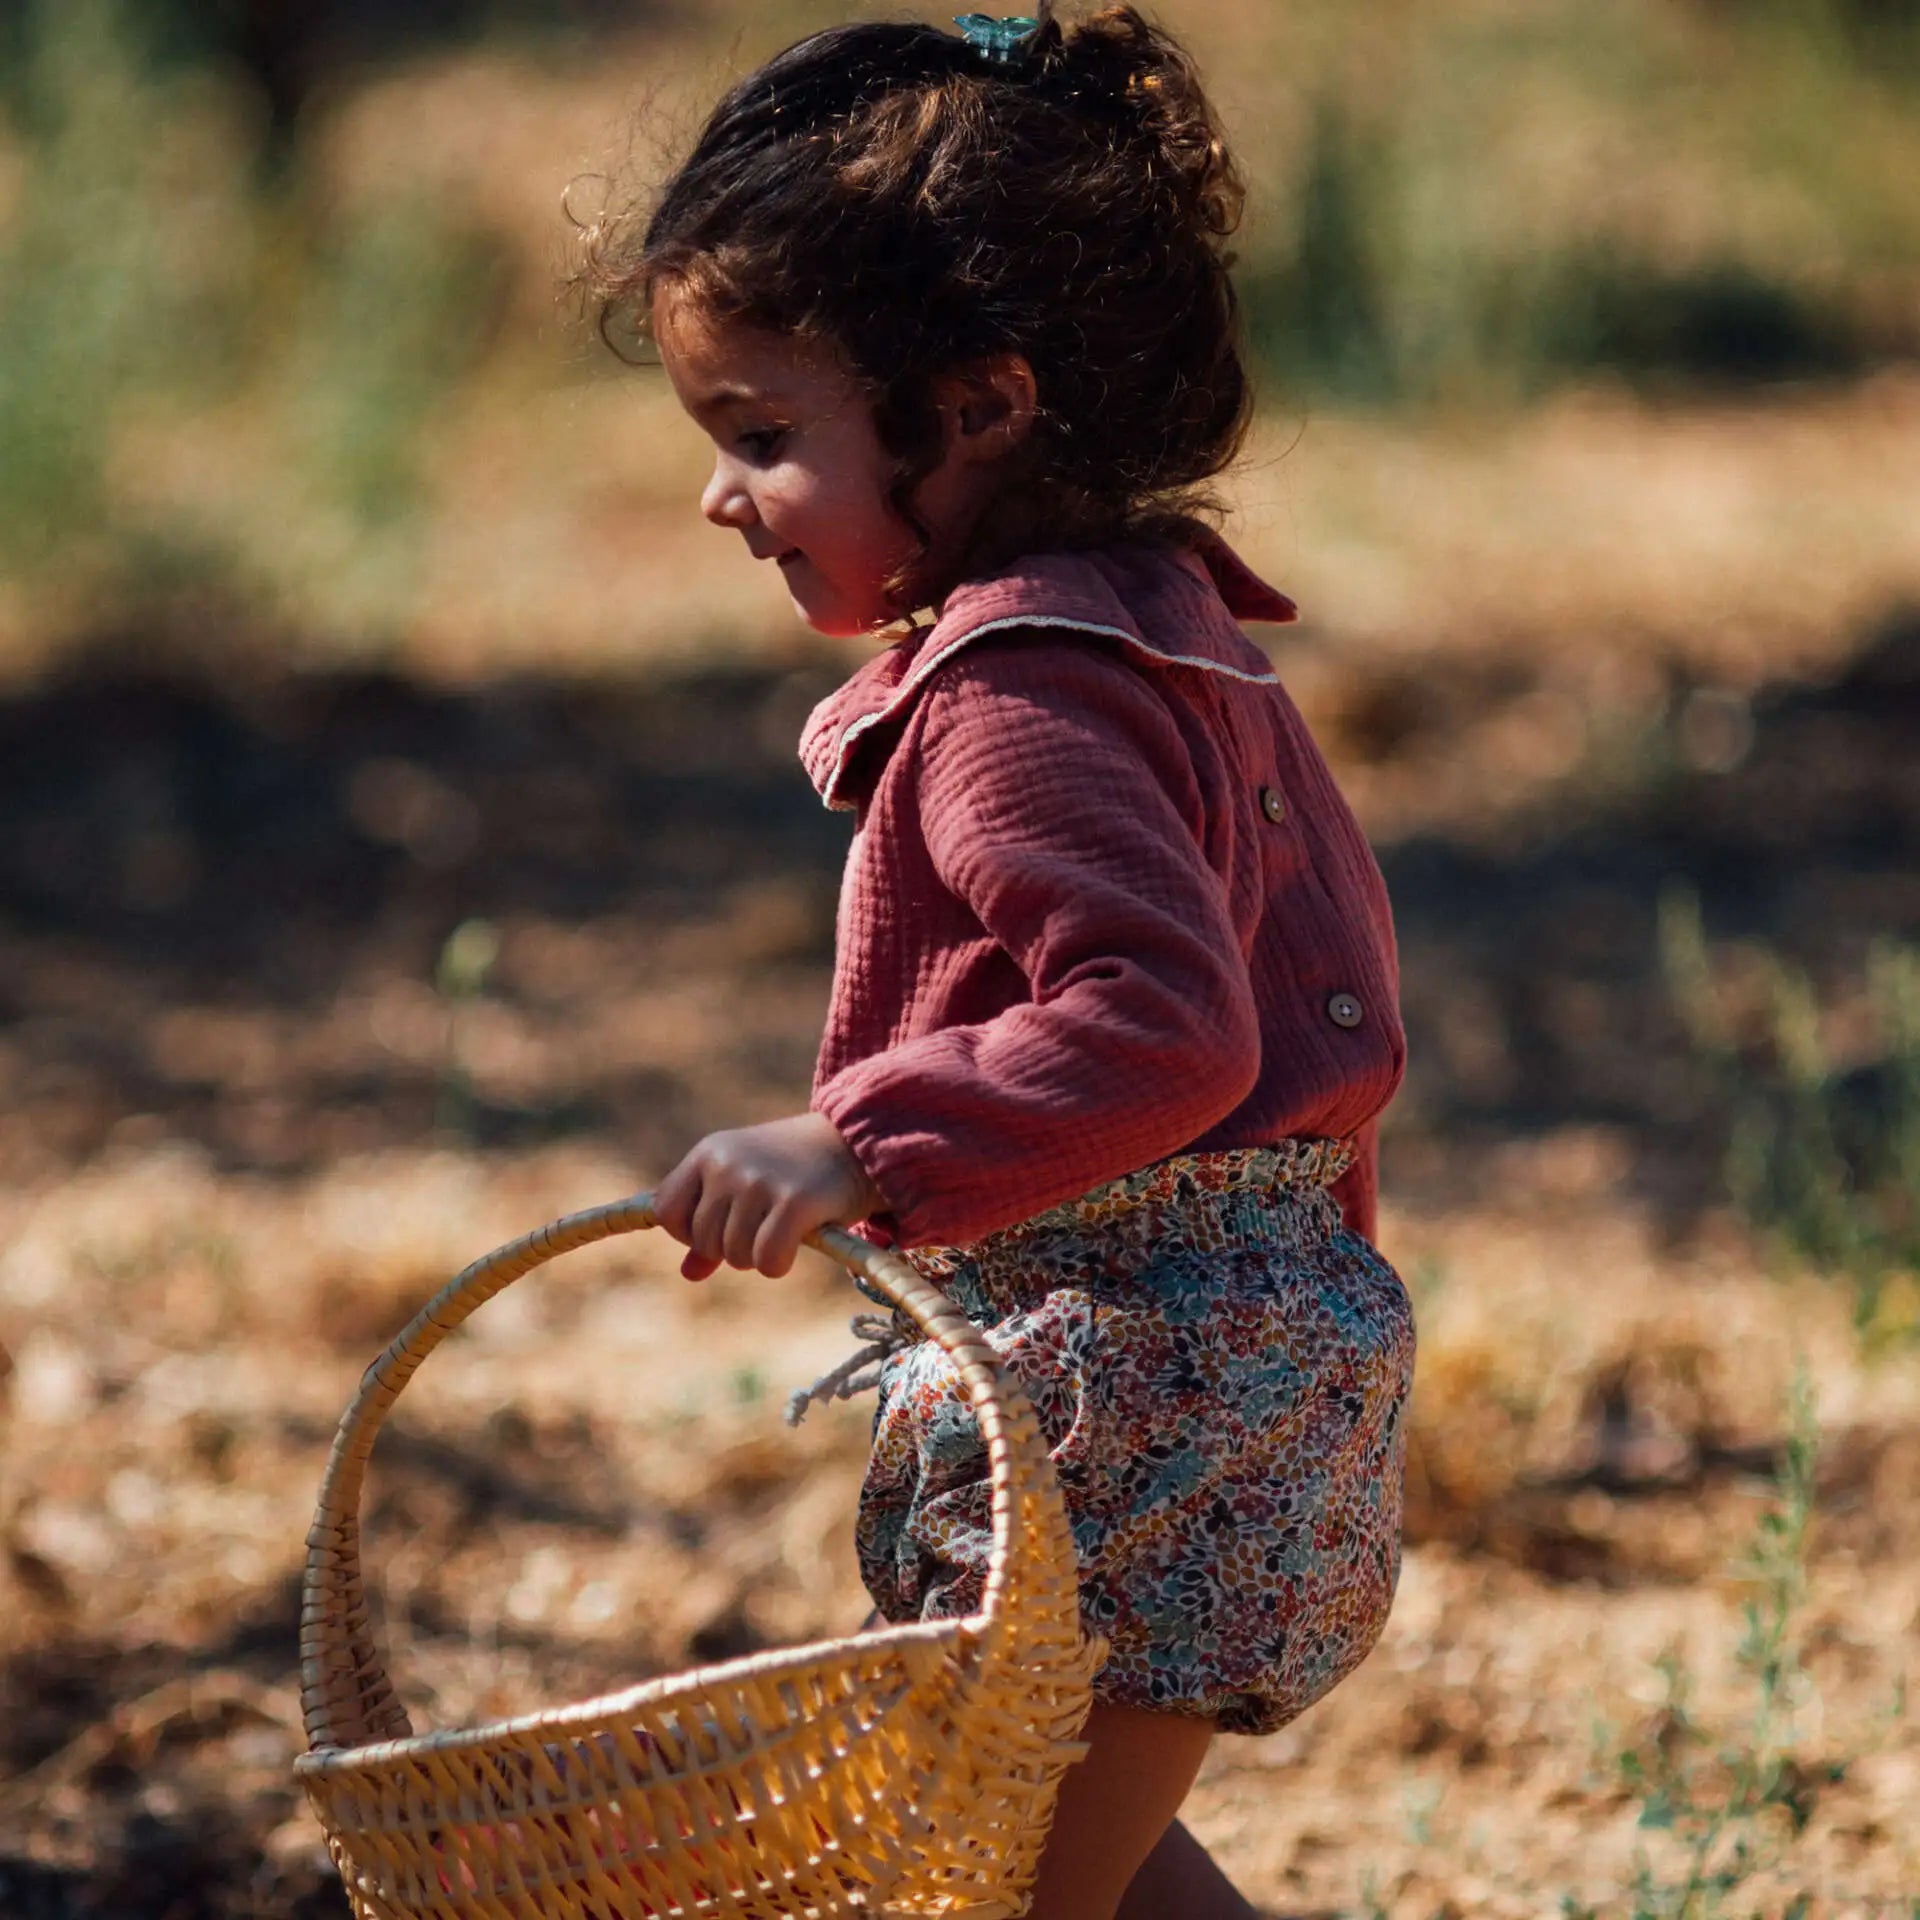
[1221,1370]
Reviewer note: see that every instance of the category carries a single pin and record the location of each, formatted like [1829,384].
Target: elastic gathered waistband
[1130,1214]
[1183,1180]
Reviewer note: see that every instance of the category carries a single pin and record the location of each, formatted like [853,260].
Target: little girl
[1114,1009]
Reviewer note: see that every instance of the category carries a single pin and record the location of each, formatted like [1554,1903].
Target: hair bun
[1118,67]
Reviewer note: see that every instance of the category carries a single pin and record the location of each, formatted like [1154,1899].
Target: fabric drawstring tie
[884,1337]
[1137,1204]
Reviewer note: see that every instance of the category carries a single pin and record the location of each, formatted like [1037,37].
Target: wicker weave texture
[909,1771]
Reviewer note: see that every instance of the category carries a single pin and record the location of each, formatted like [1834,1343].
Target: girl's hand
[747,1198]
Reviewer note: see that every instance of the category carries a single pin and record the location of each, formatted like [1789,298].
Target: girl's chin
[831,614]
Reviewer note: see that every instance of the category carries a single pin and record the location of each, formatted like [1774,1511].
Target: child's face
[799,470]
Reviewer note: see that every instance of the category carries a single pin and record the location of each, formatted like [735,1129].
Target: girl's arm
[1058,800]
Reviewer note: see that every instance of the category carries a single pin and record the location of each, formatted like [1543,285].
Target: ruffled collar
[1170,607]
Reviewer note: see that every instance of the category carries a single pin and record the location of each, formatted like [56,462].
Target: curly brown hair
[887,189]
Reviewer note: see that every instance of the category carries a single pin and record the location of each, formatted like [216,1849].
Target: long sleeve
[1058,802]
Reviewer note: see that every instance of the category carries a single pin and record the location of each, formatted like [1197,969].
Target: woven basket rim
[983,1711]
[662,1689]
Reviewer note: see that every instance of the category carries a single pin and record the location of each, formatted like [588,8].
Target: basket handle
[345,1694]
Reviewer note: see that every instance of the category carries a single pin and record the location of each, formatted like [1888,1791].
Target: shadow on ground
[286,859]
[268,850]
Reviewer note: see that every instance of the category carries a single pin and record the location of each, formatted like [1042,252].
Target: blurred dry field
[362,905]
[257,1112]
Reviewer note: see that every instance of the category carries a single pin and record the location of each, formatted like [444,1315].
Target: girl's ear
[987,406]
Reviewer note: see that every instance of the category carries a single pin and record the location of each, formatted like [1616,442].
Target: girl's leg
[1180,1877]
[1115,1806]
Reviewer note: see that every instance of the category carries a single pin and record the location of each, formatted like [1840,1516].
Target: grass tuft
[1719,1814]
[1822,1154]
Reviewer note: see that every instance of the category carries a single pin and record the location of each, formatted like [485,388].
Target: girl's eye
[761,444]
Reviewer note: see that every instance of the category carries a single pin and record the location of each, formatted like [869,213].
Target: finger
[778,1240]
[697,1266]
[743,1228]
[706,1230]
[675,1197]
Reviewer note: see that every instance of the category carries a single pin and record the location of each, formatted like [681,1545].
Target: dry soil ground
[245,1132]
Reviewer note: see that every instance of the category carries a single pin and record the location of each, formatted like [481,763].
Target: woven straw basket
[909,1771]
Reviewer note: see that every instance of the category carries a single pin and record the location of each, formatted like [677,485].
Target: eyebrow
[731,396]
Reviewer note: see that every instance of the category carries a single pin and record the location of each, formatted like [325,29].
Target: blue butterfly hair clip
[996,41]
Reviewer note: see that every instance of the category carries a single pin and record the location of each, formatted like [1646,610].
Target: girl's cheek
[781,491]
[799,488]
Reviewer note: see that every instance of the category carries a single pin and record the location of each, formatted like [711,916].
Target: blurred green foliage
[1475,205]
[149,272]
[1501,202]
[1823,1141]
[96,298]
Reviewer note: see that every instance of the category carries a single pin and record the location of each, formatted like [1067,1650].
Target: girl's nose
[726,501]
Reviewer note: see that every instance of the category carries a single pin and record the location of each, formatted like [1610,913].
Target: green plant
[1319,312]
[460,978]
[1823,1152]
[1480,207]
[1376,301]
[1719,1802]
[107,270]
[1721,1813]
[153,279]
[389,309]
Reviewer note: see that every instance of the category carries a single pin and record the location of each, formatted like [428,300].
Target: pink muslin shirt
[1104,902]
